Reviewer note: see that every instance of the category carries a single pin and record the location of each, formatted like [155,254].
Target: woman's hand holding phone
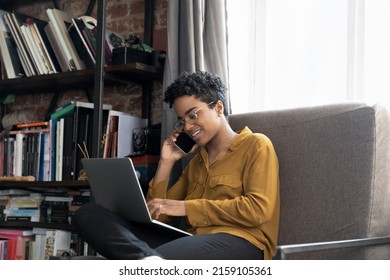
[177,146]
[184,142]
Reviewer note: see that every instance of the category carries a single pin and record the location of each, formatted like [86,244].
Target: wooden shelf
[49,185]
[114,74]
[18,224]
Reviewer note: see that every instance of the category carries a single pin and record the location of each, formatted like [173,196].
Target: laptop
[114,185]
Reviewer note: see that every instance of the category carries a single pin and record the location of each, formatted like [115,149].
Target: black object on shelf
[124,55]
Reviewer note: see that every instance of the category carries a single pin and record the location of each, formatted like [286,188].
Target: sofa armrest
[284,250]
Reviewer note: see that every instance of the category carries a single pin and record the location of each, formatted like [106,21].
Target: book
[39,124]
[37,27]
[67,109]
[52,153]
[2,154]
[65,199]
[22,200]
[68,149]
[26,43]
[29,251]
[3,249]
[9,143]
[61,22]
[30,149]
[76,33]
[112,129]
[23,52]
[20,144]
[32,47]
[9,54]
[29,130]
[44,47]
[126,124]
[90,40]
[145,160]
[77,136]
[59,149]
[57,242]
[16,244]
[40,242]
[21,212]
[40,245]
[59,52]
[15,232]
[12,192]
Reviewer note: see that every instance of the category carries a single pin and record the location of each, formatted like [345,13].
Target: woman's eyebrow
[186,112]
[189,110]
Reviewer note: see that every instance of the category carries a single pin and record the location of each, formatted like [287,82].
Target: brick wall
[124,17]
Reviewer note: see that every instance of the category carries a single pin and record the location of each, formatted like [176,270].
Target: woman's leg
[219,246]
[113,237]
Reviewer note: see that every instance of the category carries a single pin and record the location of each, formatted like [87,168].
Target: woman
[228,193]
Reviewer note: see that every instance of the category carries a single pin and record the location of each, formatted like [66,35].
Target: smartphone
[184,142]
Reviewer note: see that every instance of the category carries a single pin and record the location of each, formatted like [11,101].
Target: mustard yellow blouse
[238,194]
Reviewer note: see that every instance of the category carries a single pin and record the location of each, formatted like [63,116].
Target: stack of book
[72,140]
[118,140]
[55,209]
[31,46]
[15,243]
[23,207]
[33,244]
[26,151]
[52,150]
[47,206]
[24,46]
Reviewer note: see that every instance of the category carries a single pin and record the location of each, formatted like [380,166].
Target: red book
[13,232]
[16,245]
[145,160]
[32,124]
[11,249]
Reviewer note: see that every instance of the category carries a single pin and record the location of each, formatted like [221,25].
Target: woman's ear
[219,107]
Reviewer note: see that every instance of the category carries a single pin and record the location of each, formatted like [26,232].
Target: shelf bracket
[91,5]
[56,4]
[148,22]
[146,100]
[52,105]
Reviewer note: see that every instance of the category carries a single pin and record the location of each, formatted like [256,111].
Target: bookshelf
[95,79]
[46,187]
[84,79]
[115,75]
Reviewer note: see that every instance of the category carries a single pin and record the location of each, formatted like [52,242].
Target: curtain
[196,41]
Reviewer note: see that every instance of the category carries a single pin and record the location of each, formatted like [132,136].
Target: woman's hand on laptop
[158,206]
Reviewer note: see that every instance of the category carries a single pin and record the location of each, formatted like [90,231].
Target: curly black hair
[202,85]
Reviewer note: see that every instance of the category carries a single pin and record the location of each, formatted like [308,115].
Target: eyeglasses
[190,118]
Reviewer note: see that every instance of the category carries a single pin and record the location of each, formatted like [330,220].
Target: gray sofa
[335,179]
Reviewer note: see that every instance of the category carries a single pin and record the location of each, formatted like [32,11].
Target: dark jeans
[115,238]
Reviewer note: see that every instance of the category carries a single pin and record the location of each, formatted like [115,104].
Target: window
[307,52]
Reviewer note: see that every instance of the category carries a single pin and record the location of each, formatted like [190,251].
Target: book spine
[33,124]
